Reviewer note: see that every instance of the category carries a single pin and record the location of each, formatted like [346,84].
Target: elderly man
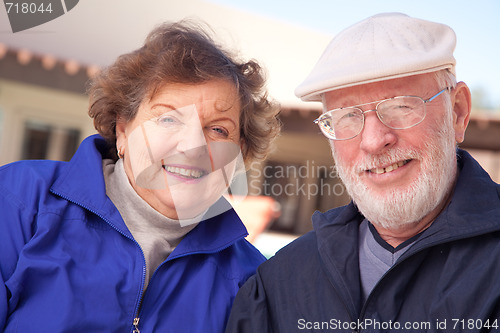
[418,248]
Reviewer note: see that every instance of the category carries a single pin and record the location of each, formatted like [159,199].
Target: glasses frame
[425,101]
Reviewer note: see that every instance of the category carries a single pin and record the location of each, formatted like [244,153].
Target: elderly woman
[134,234]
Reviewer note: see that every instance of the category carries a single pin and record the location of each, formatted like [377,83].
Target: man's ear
[461,103]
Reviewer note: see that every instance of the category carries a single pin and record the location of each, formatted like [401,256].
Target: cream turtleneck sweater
[156,234]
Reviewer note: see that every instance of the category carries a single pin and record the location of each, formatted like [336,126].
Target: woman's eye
[220,131]
[167,121]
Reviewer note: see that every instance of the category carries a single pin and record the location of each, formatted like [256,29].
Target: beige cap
[381,47]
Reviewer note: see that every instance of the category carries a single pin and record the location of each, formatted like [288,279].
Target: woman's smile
[185,172]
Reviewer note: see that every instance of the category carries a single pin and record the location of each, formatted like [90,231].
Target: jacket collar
[337,232]
[213,234]
[474,207]
[81,181]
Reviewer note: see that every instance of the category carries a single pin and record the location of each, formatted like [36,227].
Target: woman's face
[181,149]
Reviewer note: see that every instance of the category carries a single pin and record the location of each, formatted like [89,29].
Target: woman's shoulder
[26,175]
[28,172]
[24,182]
[238,261]
[244,251]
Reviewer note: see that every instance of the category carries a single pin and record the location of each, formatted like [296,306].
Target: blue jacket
[448,281]
[68,263]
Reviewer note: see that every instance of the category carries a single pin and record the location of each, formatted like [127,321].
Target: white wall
[21,102]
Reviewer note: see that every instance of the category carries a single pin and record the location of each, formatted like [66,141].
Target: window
[36,141]
[300,189]
[45,141]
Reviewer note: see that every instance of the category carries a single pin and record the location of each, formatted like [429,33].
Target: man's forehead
[413,85]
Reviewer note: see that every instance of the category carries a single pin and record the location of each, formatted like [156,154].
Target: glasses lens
[341,124]
[402,112]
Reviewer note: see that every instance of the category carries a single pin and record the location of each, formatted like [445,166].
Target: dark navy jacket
[449,281]
[68,263]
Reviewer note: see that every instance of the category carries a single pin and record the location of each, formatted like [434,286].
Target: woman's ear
[121,136]
[461,103]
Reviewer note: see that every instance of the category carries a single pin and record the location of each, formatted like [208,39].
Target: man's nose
[376,136]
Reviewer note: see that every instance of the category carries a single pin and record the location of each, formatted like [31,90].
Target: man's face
[397,177]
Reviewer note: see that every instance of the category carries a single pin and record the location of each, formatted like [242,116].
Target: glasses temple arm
[439,93]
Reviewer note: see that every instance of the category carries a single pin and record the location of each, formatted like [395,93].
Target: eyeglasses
[399,112]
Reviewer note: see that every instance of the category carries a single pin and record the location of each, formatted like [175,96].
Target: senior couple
[136,232]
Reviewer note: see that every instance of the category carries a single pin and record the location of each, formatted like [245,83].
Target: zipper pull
[136,325]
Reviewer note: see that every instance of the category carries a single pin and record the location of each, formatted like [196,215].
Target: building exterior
[42,107]
[43,115]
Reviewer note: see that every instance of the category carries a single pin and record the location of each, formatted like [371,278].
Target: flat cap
[381,47]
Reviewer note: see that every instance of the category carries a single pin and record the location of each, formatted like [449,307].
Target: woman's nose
[192,141]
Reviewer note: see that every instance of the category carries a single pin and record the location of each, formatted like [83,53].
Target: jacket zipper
[137,317]
[135,321]
[136,325]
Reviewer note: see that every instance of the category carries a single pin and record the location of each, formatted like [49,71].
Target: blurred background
[44,71]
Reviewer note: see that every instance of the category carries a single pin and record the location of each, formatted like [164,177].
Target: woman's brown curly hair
[183,52]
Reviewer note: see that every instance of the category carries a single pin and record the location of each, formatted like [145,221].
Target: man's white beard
[399,207]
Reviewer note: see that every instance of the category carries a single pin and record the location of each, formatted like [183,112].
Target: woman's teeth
[389,168]
[188,173]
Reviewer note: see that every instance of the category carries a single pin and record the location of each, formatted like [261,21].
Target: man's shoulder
[298,250]
[296,256]
[304,244]
[303,253]
[307,244]
[290,267]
